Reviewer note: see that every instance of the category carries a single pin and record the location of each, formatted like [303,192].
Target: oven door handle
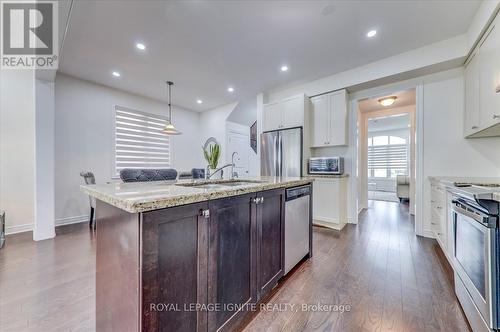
[464,212]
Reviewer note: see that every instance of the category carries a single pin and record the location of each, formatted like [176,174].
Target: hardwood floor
[390,279]
[48,285]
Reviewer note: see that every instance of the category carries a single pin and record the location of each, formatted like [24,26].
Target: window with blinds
[139,142]
[387,156]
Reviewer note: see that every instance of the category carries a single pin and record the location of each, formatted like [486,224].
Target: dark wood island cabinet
[195,267]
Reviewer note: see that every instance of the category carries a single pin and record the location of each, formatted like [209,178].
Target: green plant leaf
[212,156]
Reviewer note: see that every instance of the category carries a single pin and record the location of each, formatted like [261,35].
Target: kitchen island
[187,255]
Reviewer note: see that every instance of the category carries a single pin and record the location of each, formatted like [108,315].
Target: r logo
[27,28]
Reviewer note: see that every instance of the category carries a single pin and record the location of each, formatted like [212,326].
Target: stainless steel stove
[477,192]
[476,253]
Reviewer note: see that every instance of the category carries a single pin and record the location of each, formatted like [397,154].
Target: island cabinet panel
[231,263]
[270,239]
[174,268]
[117,273]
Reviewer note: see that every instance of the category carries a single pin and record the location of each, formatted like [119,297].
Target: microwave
[326,165]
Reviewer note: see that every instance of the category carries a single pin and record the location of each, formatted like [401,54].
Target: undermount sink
[217,185]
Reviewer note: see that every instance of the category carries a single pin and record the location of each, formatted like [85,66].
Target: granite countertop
[449,181]
[137,197]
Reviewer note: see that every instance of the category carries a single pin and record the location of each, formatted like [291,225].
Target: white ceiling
[395,122]
[403,98]
[205,46]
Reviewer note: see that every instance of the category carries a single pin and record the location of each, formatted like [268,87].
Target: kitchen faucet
[233,173]
[232,164]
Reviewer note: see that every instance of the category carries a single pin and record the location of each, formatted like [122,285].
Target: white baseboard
[18,229]
[71,220]
[9,230]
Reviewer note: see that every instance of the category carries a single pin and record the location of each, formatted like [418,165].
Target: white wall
[245,112]
[253,161]
[44,227]
[213,124]
[483,16]
[392,69]
[84,138]
[17,149]
[446,152]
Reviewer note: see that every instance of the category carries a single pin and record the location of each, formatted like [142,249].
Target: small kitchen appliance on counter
[326,165]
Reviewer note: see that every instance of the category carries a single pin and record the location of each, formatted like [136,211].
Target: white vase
[215,176]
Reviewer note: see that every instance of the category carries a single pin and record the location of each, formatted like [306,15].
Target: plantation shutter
[388,157]
[139,142]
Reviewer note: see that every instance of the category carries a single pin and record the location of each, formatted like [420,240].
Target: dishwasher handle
[297,192]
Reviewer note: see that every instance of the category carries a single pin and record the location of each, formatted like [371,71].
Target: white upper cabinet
[338,118]
[293,112]
[272,117]
[287,113]
[482,86]
[471,120]
[329,119]
[489,77]
[320,124]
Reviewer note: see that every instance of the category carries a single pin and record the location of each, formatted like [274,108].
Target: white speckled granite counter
[137,197]
[449,182]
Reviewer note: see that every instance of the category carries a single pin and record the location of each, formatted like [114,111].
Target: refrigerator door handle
[279,152]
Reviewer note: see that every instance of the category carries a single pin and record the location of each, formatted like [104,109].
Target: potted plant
[212,157]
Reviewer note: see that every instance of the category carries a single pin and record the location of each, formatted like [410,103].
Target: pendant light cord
[170,101]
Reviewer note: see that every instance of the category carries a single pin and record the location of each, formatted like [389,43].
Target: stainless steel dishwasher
[297,205]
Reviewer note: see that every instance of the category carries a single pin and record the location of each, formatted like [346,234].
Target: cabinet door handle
[258,200]
[496,116]
[473,127]
[205,213]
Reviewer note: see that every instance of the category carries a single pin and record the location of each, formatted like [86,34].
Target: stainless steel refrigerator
[281,153]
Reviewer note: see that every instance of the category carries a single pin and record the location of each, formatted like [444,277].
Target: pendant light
[169,128]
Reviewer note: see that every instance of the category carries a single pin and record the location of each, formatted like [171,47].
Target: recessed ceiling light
[284,68]
[230,89]
[371,33]
[140,46]
[116,74]
[387,101]
[199,101]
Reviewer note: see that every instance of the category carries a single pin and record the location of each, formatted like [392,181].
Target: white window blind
[387,160]
[139,142]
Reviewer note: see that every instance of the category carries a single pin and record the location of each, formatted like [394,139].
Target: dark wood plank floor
[391,279]
[48,285]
